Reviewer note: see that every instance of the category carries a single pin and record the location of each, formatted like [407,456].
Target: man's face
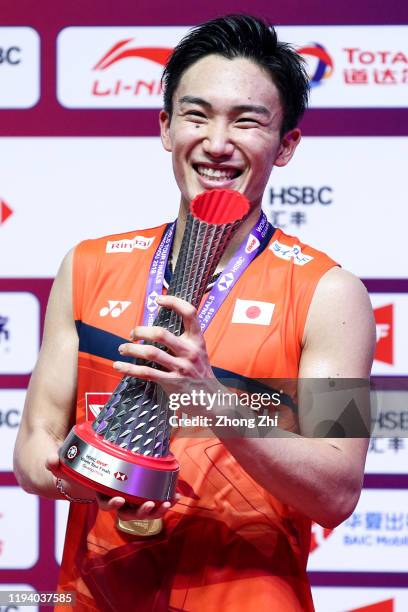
[225,129]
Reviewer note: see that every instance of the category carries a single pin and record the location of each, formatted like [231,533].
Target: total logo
[5,212]
[320,63]
[121,67]
[384,324]
[114,308]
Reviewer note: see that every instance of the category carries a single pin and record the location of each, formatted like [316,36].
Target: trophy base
[90,460]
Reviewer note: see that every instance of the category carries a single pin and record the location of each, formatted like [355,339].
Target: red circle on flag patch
[253,312]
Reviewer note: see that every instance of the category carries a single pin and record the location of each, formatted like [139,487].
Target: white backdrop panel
[62,190]
[373,539]
[348,599]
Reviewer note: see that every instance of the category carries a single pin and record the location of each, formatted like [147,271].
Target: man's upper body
[226,123]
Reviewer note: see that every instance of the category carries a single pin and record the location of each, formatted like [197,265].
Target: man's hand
[72,488]
[127,512]
[187,357]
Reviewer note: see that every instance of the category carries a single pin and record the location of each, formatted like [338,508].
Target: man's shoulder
[124,242]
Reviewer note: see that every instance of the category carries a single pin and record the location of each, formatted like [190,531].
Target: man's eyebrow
[252,108]
[239,108]
[194,100]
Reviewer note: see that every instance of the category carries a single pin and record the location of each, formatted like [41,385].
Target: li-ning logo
[128,245]
[114,308]
[122,50]
[318,536]
[225,281]
[324,68]
[283,251]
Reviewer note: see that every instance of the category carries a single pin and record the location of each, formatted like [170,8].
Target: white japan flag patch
[252,311]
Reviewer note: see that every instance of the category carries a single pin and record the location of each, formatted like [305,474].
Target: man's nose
[217,142]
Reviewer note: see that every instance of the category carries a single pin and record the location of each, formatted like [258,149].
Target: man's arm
[49,409]
[321,478]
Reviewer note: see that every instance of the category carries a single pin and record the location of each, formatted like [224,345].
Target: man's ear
[164,120]
[287,147]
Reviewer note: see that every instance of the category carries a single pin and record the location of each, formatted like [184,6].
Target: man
[237,538]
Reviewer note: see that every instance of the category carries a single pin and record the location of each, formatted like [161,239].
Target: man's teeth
[216,173]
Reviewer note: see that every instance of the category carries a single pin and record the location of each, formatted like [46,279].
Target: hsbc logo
[128,245]
[152,304]
[94,402]
[120,476]
[384,324]
[102,67]
[114,309]
[225,281]
[19,67]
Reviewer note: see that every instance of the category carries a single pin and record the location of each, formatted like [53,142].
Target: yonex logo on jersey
[253,312]
[152,305]
[286,252]
[225,281]
[114,308]
[252,243]
[128,245]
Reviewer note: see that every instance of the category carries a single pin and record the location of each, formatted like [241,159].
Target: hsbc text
[10,56]
[301,195]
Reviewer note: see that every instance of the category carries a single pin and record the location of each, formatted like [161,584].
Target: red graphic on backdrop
[5,211]
[384,323]
[319,535]
[382,606]
[117,53]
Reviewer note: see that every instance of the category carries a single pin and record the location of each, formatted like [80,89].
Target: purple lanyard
[237,265]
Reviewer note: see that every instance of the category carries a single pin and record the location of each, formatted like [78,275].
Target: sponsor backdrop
[80,157]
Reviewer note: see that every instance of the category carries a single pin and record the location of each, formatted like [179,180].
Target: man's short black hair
[248,37]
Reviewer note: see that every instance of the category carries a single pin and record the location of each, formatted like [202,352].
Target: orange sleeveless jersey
[227,544]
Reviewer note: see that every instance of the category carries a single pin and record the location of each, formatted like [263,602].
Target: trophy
[125,451]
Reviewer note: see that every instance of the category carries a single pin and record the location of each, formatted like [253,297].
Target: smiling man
[238,536]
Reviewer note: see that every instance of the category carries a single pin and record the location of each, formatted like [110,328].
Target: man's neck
[239,236]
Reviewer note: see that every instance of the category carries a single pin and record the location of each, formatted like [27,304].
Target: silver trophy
[125,451]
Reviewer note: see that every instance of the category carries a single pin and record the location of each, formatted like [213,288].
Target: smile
[217,174]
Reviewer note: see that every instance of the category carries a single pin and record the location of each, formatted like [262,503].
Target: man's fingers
[184,309]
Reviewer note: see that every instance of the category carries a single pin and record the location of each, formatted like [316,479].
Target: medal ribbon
[237,265]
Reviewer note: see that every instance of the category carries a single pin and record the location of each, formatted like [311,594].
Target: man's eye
[195,114]
[247,121]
